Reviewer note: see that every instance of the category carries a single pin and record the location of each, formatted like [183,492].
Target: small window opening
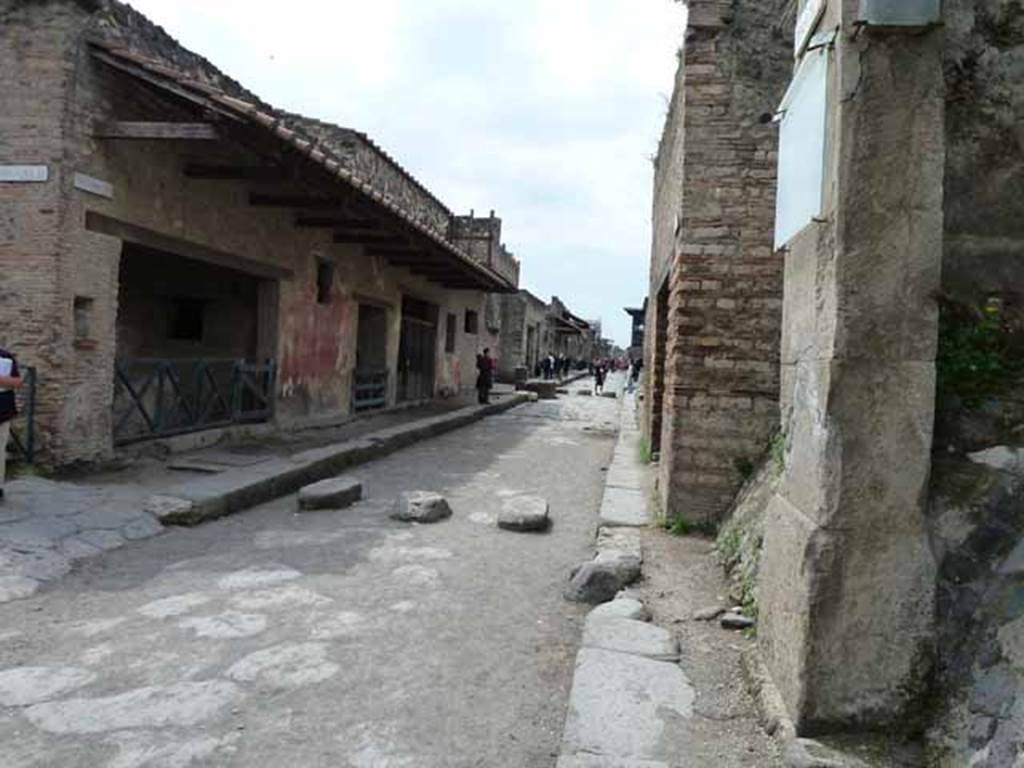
[83,317]
[186,320]
[472,321]
[324,279]
[449,333]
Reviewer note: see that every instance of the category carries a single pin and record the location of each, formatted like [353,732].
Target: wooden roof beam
[295,201]
[208,172]
[127,129]
[378,239]
[337,223]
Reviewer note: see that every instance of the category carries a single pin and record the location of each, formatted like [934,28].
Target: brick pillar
[36,69]
[725,296]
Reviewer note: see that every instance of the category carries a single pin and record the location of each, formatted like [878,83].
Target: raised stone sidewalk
[628,687]
[625,495]
[46,525]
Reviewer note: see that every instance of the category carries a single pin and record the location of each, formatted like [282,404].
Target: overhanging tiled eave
[414,246]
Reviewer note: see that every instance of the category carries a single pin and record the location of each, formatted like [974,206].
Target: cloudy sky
[547,111]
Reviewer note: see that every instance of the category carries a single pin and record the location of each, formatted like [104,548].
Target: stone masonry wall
[725,302]
[666,208]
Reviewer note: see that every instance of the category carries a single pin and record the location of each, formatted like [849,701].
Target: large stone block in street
[524,513]
[332,493]
[421,507]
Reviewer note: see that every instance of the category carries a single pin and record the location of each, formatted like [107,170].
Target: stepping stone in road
[524,513]
[332,493]
[421,507]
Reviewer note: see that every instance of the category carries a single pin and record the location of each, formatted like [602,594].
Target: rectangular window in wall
[802,146]
[472,321]
[449,333]
[83,317]
[324,279]
[186,320]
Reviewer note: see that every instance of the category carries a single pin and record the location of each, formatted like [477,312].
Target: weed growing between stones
[777,453]
[745,467]
[645,451]
[680,526]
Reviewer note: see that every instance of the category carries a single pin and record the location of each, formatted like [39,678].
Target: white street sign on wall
[24,173]
[91,184]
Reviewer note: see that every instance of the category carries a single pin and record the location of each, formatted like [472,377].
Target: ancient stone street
[328,638]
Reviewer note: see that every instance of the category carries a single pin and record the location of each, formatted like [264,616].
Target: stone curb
[773,715]
[233,491]
[624,678]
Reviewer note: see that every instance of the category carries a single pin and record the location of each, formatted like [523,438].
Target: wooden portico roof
[355,188]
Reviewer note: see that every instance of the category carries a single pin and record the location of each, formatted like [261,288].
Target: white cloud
[545,110]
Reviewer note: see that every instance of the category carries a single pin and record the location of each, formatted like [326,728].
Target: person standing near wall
[485,376]
[10,379]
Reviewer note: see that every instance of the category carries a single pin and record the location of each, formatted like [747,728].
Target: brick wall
[36,68]
[725,281]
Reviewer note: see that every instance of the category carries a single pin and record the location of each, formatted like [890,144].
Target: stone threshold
[210,497]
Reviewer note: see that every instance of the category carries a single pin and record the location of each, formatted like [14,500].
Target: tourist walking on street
[10,380]
[485,376]
[599,374]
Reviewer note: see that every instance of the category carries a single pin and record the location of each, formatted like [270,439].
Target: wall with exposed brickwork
[725,281]
[35,71]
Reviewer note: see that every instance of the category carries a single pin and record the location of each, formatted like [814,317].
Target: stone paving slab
[625,474]
[620,705]
[600,761]
[630,636]
[46,525]
[625,507]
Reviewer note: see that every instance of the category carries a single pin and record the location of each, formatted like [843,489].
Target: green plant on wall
[979,355]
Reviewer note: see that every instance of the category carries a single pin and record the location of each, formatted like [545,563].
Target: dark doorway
[370,387]
[658,372]
[417,349]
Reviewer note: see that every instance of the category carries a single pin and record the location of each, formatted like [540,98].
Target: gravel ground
[681,578]
[328,638]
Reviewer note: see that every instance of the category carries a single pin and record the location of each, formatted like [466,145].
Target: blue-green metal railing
[369,390]
[159,397]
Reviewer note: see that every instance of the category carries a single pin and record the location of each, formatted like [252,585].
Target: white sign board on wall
[810,13]
[802,147]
